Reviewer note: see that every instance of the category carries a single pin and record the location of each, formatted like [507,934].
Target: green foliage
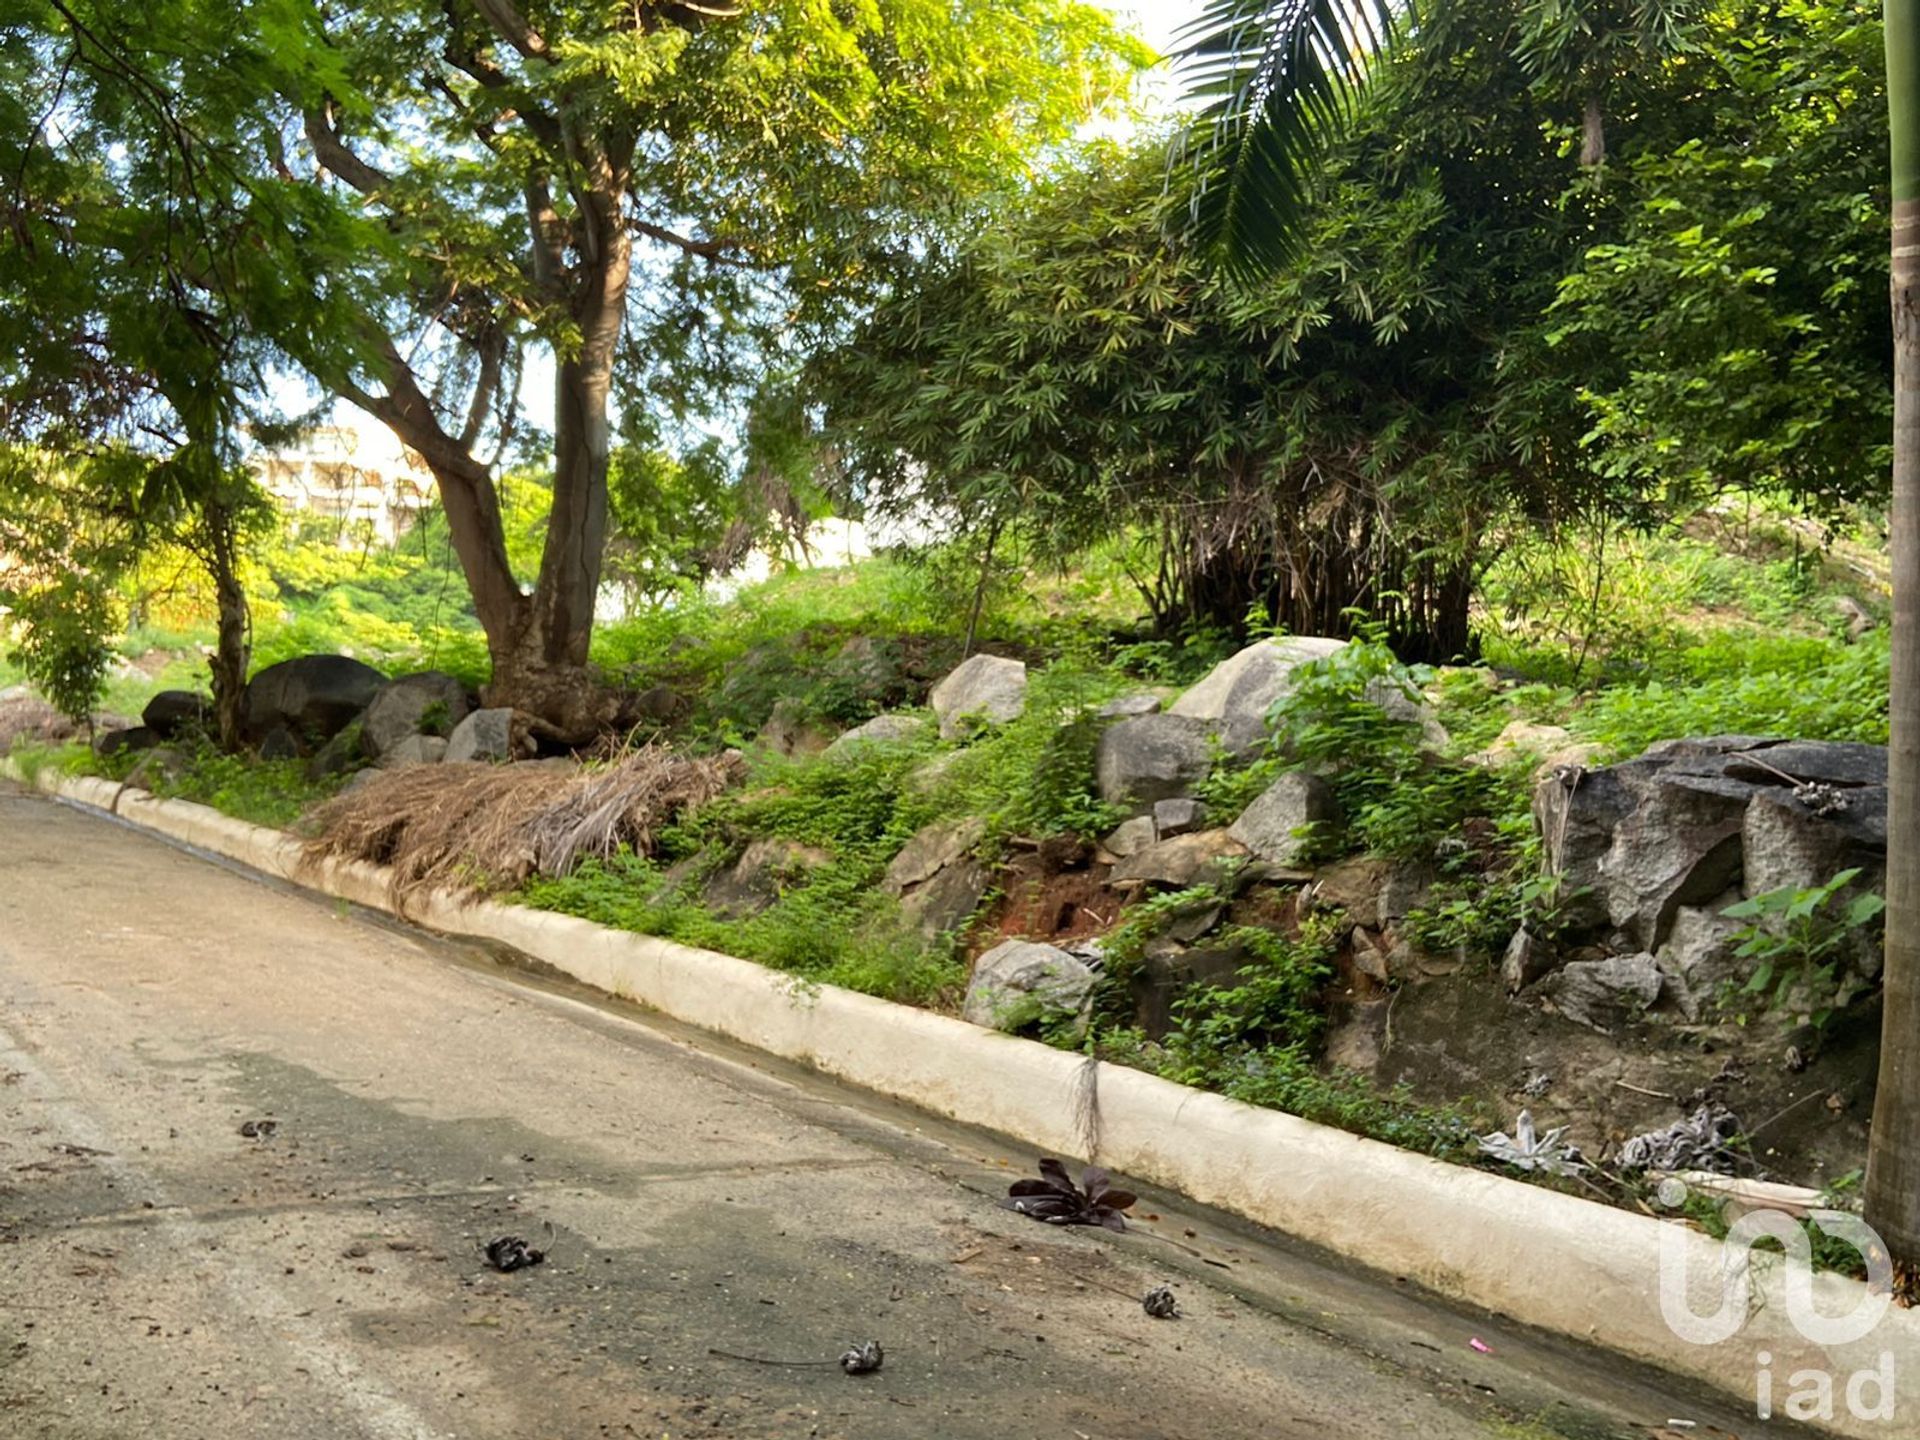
[1277,86]
[1806,690]
[274,793]
[835,929]
[830,923]
[1273,1000]
[1035,775]
[838,644]
[1233,784]
[674,519]
[403,606]
[1342,434]
[1354,716]
[68,532]
[1620,604]
[404,199]
[1253,1040]
[1736,331]
[1829,1252]
[1801,938]
[65,641]
[33,760]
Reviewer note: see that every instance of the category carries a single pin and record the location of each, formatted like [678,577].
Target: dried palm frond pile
[490,827]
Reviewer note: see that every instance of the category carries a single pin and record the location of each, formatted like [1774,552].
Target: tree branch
[333,153]
[510,25]
[492,349]
[463,55]
[549,233]
[704,249]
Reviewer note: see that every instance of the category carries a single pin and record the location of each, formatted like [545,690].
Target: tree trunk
[1309,569]
[1593,132]
[232,648]
[542,666]
[1893,1155]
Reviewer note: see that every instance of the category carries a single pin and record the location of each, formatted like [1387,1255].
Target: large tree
[1346,437]
[666,196]
[1280,81]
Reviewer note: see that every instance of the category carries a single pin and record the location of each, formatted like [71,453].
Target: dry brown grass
[483,827]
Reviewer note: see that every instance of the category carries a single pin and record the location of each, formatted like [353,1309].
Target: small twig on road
[1642,1090]
[763,1360]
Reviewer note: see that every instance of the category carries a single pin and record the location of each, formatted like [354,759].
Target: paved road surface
[164,1277]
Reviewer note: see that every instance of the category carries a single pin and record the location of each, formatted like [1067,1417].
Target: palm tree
[1893,1155]
[1279,81]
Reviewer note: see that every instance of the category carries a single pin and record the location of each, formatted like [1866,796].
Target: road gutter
[1563,1264]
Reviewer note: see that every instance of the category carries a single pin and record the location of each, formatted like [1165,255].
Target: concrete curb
[1562,1264]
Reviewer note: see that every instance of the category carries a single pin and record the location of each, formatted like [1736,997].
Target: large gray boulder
[278,744]
[936,877]
[946,900]
[1636,843]
[880,730]
[1180,862]
[125,740]
[1151,757]
[414,750]
[339,756]
[1544,747]
[1131,835]
[765,869]
[1237,694]
[311,697]
[932,849]
[427,702]
[987,687]
[789,731]
[1234,697]
[1181,815]
[484,735]
[172,711]
[1699,955]
[1268,826]
[1126,707]
[1020,981]
[1602,994]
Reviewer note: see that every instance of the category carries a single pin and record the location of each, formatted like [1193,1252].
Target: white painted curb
[1567,1265]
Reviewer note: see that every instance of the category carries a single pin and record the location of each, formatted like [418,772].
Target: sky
[1158,21]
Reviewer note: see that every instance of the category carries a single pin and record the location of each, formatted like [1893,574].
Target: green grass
[72,758]
[1802,689]
[1558,610]
[835,930]
[836,645]
[274,793]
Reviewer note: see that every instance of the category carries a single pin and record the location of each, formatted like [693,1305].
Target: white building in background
[355,475]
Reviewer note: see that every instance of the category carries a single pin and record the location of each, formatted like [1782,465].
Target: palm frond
[1277,81]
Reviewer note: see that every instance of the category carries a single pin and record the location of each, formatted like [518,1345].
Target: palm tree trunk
[1893,1157]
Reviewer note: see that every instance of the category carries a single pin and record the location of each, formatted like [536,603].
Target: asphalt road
[163,1275]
